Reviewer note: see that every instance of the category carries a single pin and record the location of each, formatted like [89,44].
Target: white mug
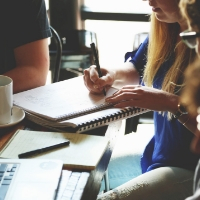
[6,99]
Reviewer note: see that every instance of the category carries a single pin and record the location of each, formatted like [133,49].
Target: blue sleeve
[138,57]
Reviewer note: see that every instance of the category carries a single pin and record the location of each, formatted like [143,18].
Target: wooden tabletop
[94,182]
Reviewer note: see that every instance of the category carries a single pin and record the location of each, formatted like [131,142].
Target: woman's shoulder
[140,51]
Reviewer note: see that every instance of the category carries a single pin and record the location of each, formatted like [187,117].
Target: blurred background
[111,24]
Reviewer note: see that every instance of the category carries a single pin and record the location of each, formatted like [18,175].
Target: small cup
[6,99]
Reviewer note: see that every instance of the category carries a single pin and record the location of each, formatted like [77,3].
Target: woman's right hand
[94,83]
[144,97]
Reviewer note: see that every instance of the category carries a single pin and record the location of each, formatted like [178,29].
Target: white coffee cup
[6,99]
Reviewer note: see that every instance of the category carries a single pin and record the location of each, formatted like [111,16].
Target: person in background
[153,79]
[191,94]
[24,53]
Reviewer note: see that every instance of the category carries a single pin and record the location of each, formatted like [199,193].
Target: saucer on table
[17,116]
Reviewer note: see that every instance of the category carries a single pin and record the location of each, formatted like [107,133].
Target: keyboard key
[3,191]
[6,178]
[73,180]
[77,195]
[1,175]
[9,167]
[11,173]
[3,167]
[71,188]
[82,180]
[6,182]
[64,179]
[68,193]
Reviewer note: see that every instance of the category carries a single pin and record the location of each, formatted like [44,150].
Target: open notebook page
[84,151]
[59,99]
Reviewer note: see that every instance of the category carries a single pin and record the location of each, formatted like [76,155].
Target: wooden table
[94,182]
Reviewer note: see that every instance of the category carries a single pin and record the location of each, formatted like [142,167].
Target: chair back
[78,41]
[76,52]
[58,43]
[138,39]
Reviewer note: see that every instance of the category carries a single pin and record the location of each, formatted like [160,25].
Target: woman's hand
[144,97]
[95,84]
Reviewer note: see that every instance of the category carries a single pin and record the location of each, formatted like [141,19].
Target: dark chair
[58,51]
[138,39]
[76,52]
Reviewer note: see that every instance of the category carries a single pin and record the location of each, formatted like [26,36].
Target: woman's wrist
[181,110]
[172,105]
[186,121]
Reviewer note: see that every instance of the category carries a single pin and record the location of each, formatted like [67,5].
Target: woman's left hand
[144,97]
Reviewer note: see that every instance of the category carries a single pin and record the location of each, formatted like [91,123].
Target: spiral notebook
[69,106]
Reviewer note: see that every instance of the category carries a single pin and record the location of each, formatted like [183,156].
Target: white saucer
[17,116]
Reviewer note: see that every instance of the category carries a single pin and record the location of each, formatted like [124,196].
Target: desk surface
[94,182]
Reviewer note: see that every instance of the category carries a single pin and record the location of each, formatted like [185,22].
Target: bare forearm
[32,65]
[27,77]
[126,75]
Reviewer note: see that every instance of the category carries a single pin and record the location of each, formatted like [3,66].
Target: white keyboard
[72,185]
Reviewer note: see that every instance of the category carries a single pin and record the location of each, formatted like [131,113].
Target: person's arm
[32,64]
[152,99]
[125,74]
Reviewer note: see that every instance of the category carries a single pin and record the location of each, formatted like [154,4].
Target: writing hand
[94,83]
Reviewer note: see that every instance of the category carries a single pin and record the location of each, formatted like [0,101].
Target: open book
[83,152]
[69,106]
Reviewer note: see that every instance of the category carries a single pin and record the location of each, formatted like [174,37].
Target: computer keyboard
[72,185]
[6,174]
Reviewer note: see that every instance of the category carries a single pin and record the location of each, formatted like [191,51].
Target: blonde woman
[167,164]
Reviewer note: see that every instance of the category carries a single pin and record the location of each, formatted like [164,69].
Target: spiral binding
[125,113]
[105,120]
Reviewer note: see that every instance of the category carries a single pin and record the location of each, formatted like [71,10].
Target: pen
[42,150]
[97,63]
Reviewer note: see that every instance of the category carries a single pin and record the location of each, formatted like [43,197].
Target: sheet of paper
[84,151]
[59,99]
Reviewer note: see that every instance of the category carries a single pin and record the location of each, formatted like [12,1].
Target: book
[83,152]
[69,106]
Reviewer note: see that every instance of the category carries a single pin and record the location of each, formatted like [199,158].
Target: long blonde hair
[164,44]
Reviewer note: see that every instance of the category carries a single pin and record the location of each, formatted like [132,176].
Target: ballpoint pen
[97,63]
[43,150]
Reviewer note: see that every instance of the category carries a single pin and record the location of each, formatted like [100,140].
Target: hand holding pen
[97,63]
